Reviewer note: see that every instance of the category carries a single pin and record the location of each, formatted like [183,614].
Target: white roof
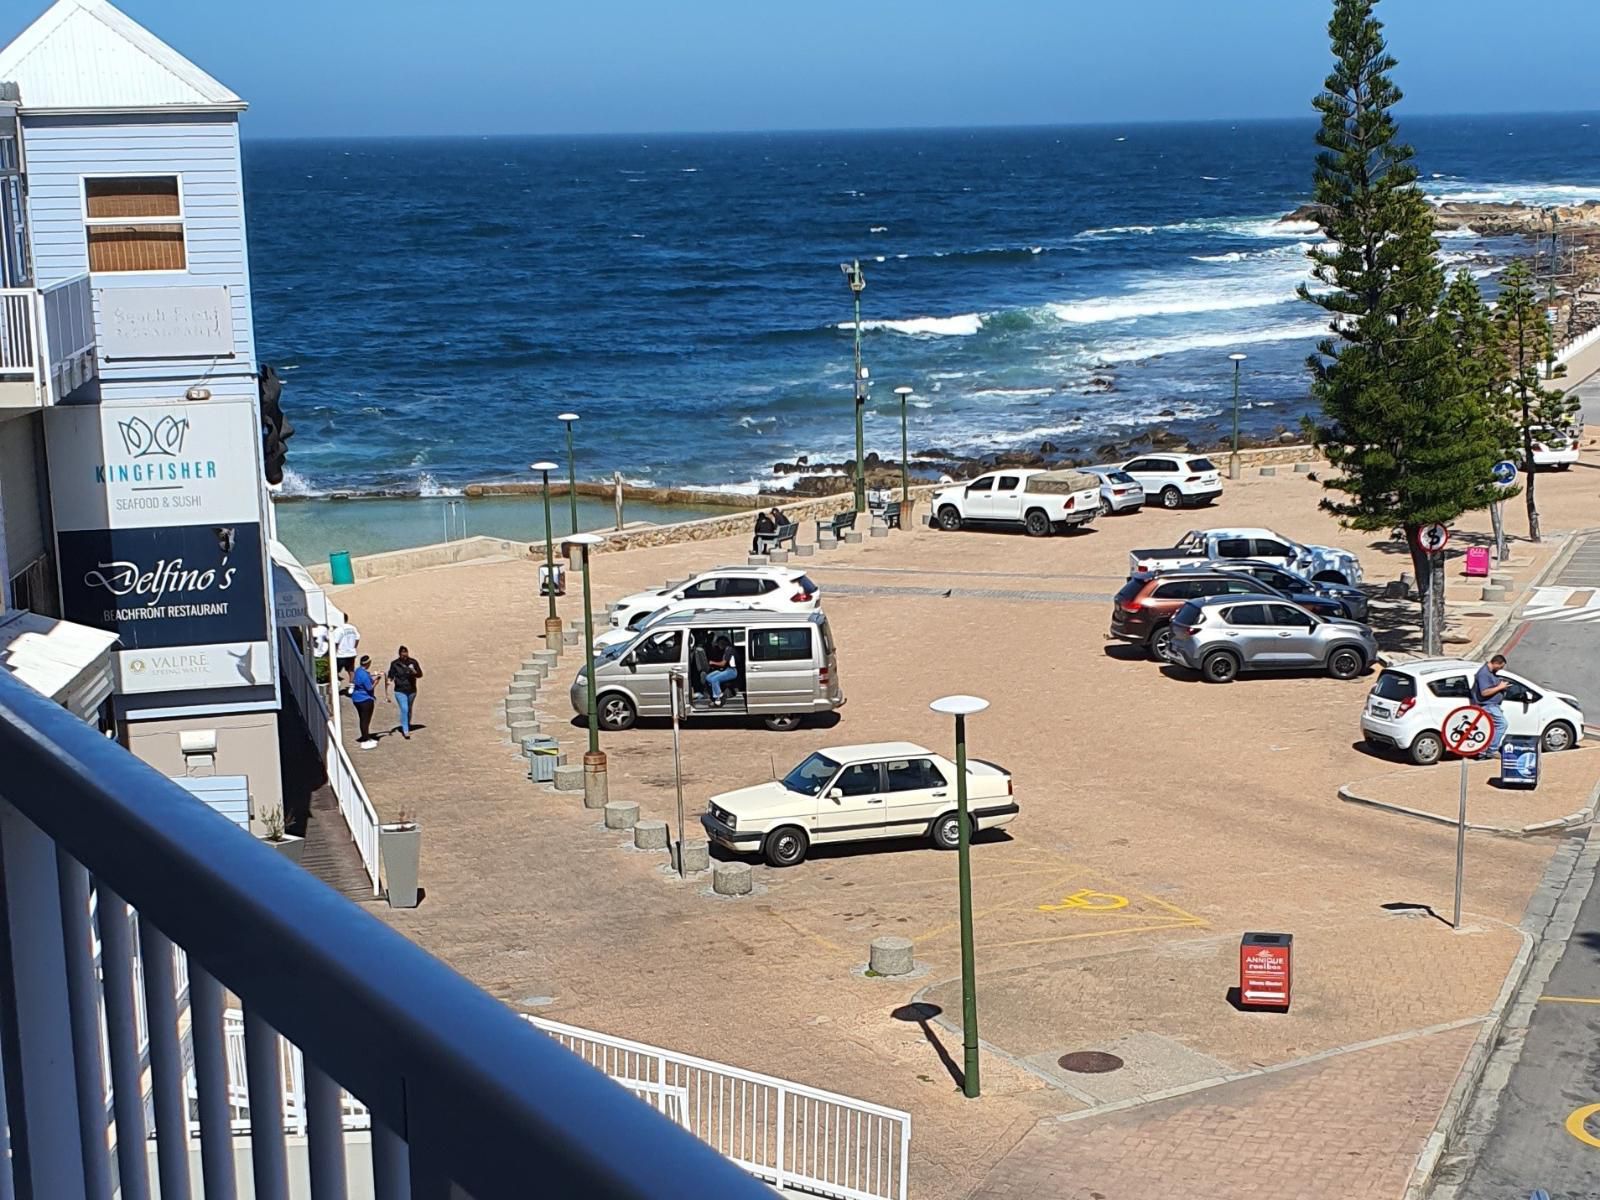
[55,658]
[85,55]
[874,750]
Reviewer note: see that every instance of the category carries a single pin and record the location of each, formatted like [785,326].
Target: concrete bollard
[522,727]
[880,531]
[527,676]
[1503,581]
[777,556]
[696,855]
[804,549]
[532,670]
[1269,471]
[527,689]
[826,540]
[852,537]
[1302,468]
[1493,594]
[755,560]
[622,814]
[890,956]
[675,583]
[731,879]
[650,835]
[570,637]
[569,778]
[548,657]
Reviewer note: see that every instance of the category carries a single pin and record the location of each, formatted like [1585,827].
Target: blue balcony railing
[467,1101]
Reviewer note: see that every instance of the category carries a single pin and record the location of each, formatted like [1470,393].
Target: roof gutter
[27,110]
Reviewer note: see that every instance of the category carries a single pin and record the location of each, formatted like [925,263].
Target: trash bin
[543,752]
[339,567]
[1266,970]
[1519,762]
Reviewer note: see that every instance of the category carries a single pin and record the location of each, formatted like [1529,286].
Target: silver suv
[1219,636]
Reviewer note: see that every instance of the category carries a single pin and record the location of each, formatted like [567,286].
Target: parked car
[786,664]
[1298,588]
[1119,491]
[1407,707]
[1041,502]
[1224,635]
[1142,610]
[858,793]
[775,589]
[1322,564]
[1176,479]
[1556,448]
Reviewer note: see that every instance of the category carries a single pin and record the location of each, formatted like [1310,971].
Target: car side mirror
[835,794]
[630,662]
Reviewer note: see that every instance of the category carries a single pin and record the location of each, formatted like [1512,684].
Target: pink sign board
[1477,560]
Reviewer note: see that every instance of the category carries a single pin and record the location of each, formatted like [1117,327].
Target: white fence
[19,334]
[784,1133]
[360,817]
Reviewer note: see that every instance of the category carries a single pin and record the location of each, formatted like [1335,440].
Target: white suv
[1176,479]
[1408,705]
[772,589]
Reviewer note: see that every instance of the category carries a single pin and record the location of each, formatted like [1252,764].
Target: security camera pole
[594,762]
[858,284]
[1233,458]
[567,418]
[905,480]
[552,623]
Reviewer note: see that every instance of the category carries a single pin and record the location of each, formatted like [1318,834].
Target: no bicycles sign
[1467,730]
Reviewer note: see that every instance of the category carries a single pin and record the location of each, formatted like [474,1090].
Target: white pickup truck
[1324,564]
[1042,502]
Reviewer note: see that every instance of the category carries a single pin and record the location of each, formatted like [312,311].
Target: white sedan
[859,793]
[772,589]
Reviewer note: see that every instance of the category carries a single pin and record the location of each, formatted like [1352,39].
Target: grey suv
[1223,635]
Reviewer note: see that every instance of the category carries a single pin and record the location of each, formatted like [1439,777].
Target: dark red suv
[1143,610]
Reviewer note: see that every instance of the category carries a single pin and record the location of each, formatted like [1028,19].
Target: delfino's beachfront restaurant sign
[158,538]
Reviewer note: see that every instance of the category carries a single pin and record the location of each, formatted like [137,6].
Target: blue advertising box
[1519,762]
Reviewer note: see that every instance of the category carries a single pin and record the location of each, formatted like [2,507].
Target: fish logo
[165,439]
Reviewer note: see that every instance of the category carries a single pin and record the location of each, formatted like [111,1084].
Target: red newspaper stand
[1265,970]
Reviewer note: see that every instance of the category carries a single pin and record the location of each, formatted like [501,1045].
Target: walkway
[312,811]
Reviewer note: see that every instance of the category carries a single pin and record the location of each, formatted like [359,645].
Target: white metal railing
[785,1133]
[19,334]
[1578,345]
[47,337]
[355,806]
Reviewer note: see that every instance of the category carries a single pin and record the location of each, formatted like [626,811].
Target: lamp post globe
[569,419]
[905,394]
[1233,458]
[552,623]
[961,707]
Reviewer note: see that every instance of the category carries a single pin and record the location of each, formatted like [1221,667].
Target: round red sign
[1467,730]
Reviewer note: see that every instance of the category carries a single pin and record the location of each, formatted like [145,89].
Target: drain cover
[1090,1062]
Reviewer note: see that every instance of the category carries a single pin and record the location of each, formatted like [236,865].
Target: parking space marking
[1577,1124]
[1088,900]
[1569,999]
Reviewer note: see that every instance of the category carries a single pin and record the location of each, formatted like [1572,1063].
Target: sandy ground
[1161,818]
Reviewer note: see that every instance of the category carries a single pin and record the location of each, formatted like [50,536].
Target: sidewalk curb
[1573,820]
[1546,926]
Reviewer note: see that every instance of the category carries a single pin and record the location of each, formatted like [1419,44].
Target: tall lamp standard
[552,623]
[567,418]
[594,762]
[1233,459]
[905,480]
[961,707]
[858,283]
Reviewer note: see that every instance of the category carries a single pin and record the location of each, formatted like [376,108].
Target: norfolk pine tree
[1410,442]
[1525,343]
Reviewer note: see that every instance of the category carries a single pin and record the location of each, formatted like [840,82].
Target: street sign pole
[677,681]
[1461,845]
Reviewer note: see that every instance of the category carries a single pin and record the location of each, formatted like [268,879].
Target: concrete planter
[290,846]
[399,848]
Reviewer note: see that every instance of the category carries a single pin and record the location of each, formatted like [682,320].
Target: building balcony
[47,343]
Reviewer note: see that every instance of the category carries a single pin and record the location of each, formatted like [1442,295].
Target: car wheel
[1037,523]
[1105,507]
[1345,663]
[1427,748]
[784,723]
[1221,667]
[947,832]
[786,846]
[1558,736]
[616,712]
[1160,644]
[949,518]
[1171,497]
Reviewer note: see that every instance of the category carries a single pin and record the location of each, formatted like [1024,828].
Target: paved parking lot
[1161,818]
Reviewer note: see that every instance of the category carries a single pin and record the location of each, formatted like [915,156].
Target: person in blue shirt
[1488,690]
[364,694]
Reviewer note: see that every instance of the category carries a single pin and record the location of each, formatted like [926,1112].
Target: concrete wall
[400,562]
[247,744]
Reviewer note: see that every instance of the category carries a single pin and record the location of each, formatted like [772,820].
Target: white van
[786,663]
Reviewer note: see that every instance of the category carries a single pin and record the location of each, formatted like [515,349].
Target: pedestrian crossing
[1571,604]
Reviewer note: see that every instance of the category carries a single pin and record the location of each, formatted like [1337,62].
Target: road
[1559,645]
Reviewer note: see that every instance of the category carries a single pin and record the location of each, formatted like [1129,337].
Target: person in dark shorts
[764,526]
[364,695]
[402,676]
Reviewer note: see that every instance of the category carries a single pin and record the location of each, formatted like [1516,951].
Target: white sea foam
[1529,192]
[428,486]
[1137,351]
[748,422]
[1114,230]
[1172,300]
[878,229]
[1276,252]
[1256,227]
[963,325]
[1012,392]
[296,484]
[1019,437]
[1466,231]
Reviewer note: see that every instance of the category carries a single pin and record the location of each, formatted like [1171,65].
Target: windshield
[811,776]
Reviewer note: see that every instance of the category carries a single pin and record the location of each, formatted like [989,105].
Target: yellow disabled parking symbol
[1087,900]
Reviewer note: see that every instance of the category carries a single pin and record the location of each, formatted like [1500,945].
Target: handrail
[439,1062]
[19,333]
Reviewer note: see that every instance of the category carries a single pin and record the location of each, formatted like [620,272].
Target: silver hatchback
[1220,636]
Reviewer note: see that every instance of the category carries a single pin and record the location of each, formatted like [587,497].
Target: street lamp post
[961,707]
[1233,458]
[594,762]
[552,623]
[905,479]
[858,283]
[567,418]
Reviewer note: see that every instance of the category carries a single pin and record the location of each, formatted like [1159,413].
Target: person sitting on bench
[723,669]
[764,528]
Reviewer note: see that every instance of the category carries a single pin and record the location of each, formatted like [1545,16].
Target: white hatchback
[1176,479]
[770,589]
[1408,705]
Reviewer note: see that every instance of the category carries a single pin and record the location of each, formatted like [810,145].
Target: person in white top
[346,640]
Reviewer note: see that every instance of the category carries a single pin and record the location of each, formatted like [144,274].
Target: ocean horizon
[433,302]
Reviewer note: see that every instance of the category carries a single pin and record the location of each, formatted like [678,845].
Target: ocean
[433,304]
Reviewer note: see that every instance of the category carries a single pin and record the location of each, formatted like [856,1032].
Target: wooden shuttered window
[134,224]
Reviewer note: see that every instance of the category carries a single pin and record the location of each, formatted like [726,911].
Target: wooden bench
[838,524]
[891,514]
[780,535]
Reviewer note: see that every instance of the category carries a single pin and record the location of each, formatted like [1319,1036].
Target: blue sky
[545,66]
